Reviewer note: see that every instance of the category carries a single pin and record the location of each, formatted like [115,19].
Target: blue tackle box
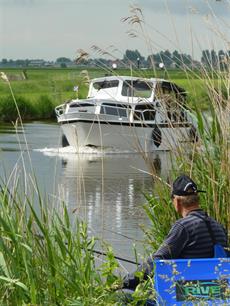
[192,282]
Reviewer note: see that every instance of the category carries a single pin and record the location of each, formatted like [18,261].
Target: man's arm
[174,243]
[171,248]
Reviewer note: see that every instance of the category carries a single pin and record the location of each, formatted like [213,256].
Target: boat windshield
[137,88]
[77,104]
[76,107]
[105,84]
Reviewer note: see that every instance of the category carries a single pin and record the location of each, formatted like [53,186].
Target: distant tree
[214,58]
[63,61]
[176,58]
[161,57]
[186,59]
[27,61]
[60,60]
[222,57]
[4,61]
[133,56]
[166,58]
[152,61]
[206,58]
[101,62]
[20,62]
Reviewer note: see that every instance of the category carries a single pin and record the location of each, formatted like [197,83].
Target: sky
[48,29]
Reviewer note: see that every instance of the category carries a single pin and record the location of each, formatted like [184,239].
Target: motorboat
[127,113]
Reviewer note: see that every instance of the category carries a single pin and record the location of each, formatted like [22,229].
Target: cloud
[182,7]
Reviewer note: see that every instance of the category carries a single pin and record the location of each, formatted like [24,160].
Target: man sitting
[191,236]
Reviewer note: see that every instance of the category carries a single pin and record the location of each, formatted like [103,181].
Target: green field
[43,89]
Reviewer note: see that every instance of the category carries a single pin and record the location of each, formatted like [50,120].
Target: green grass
[54,86]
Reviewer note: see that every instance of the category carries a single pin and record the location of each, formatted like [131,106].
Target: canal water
[106,190]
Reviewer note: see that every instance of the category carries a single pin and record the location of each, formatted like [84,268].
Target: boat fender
[64,141]
[193,134]
[156,136]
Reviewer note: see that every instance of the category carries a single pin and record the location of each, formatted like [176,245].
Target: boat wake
[63,151]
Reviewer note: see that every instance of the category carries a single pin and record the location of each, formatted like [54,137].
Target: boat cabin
[133,89]
[132,99]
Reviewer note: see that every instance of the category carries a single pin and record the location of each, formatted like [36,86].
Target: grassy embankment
[38,94]
[45,88]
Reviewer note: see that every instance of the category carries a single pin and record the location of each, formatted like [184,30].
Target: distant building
[36,63]
[49,64]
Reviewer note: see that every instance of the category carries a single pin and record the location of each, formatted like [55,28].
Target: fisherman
[192,236]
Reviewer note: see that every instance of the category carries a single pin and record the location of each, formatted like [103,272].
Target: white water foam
[63,151]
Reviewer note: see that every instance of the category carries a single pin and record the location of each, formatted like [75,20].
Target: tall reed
[45,259]
[207,161]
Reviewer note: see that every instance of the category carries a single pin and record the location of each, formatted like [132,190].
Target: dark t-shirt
[188,238]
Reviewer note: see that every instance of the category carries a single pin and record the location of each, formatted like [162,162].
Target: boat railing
[145,115]
[124,111]
[59,110]
[120,111]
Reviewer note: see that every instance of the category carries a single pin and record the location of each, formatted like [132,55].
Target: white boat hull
[128,114]
[125,137]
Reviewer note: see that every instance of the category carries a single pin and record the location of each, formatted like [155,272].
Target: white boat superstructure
[128,114]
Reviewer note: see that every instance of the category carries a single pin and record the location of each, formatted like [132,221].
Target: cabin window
[144,112]
[105,84]
[136,88]
[76,104]
[114,109]
[81,107]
